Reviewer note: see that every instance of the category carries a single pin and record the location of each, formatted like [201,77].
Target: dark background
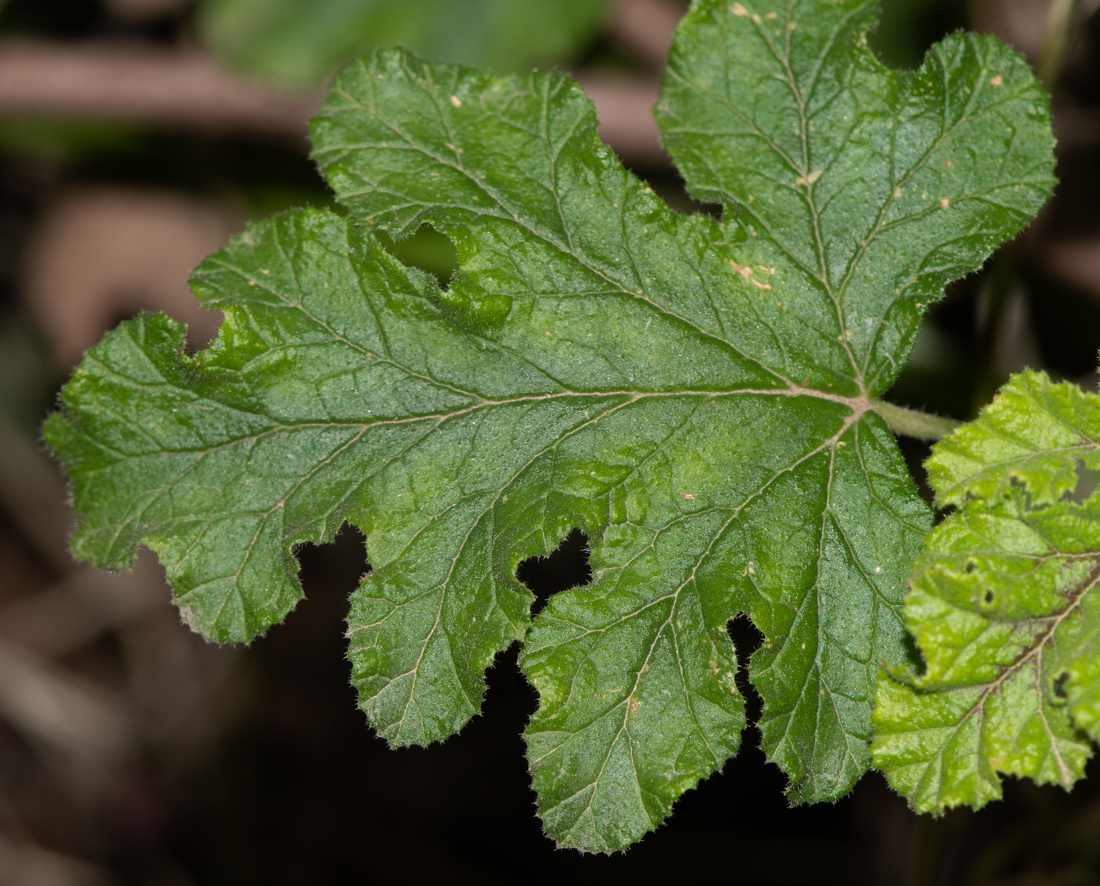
[132,752]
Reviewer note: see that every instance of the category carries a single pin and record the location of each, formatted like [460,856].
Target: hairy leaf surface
[695,395]
[1003,607]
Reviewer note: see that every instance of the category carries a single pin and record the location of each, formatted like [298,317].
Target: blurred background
[136,136]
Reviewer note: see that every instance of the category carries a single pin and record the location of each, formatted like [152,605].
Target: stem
[1059,20]
[913,423]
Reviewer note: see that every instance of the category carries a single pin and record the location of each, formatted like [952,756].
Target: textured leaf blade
[610,771]
[512,170]
[455,148]
[1003,607]
[229,484]
[1033,430]
[861,191]
[866,189]
[840,616]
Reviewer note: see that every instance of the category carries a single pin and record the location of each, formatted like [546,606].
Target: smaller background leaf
[297,43]
[1002,607]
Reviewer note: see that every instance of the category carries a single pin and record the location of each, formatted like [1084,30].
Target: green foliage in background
[906,26]
[298,43]
[698,396]
[1003,607]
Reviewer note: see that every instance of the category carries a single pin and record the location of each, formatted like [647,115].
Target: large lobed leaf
[1003,607]
[695,395]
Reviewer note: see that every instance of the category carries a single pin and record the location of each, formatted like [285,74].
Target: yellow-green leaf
[1003,607]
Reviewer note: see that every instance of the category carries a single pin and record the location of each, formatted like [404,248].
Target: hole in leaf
[914,655]
[970,566]
[746,638]
[1087,481]
[1059,685]
[202,325]
[426,249]
[565,568]
[988,598]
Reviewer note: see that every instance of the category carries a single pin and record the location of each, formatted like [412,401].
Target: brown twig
[644,28]
[187,90]
[145,84]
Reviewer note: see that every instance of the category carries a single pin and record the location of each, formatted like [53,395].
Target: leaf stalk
[1059,25]
[914,423]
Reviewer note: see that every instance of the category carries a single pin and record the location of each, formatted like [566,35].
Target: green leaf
[299,43]
[695,395]
[1002,607]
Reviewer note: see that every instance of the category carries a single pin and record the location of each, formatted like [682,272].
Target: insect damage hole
[1087,482]
[426,249]
[1058,686]
[565,568]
